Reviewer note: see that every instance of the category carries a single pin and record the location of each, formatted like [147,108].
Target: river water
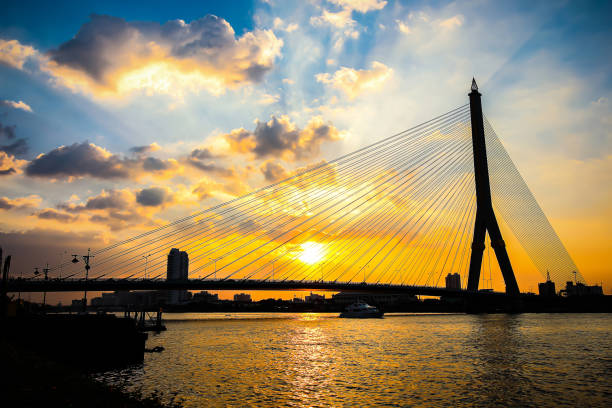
[319,360]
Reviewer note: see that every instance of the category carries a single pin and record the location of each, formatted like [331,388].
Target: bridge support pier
[485,216]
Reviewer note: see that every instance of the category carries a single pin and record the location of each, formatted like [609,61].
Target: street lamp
[86,259]
[146,258]
[215,261]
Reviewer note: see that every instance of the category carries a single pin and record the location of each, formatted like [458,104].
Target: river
[319,360]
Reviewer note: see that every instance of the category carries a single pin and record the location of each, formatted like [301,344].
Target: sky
[119,117]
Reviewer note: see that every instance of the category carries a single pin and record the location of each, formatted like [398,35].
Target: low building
[314,298]
[547,288]
[242,298]
[453,281]
[580,289]
[205,297]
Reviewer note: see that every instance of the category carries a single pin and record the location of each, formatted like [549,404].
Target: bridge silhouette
[395,216]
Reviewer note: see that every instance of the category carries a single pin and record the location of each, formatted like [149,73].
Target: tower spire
[474,85]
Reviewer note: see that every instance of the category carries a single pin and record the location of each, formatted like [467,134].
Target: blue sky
[365,69]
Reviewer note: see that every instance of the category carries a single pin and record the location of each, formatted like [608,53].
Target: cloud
[154,196]
[342,18]
[20,203]
[153,147]
[203,159]
[109,56]
[87,159]
[16,105]
[403,27]
[119,208]
[341,21]
[353,82]
[452,22]
[16,148]
[51,214]
[280,137]
[273,171]
[14,54]
[7,132]
[207,188]
[279,24]
[112,199]
[362,6]
[421,22]
[9,164]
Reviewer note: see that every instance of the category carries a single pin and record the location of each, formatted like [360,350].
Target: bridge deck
[76,285]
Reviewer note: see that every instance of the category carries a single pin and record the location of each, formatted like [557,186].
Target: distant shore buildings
[453,281]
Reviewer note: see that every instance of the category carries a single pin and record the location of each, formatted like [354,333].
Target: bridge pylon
[485,216]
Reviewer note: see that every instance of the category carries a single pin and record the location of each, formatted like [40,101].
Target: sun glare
[312,252]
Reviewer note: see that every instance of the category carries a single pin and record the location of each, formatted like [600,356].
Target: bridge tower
[485,216]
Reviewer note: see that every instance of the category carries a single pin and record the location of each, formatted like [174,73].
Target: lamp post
[146,258]
[215,262]
[86,259]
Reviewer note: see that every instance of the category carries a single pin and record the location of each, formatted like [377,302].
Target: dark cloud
[203,159]
[78,159]
[113,199]
[87,159]
[90,49]
[203,154]
[280,137]
[6,172]
[138,150]
[16,148]
[152,197]
[19,203]
[155,164]
[273,171]
[7,132]
[51,214]
[5,203]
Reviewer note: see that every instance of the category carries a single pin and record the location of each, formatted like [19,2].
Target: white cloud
[15,54]
[16,105]
[110,57]
[353,82]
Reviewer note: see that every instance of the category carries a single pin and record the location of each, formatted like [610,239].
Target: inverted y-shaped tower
[485,216]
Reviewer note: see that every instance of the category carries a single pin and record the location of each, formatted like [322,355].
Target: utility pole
[485,216]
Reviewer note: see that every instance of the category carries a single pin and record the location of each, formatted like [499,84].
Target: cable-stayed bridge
[395,216]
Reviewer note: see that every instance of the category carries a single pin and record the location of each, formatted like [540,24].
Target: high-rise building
[453,281]
[178,265]
[178,269]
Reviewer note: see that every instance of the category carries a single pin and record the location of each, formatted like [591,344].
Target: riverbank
[33,380]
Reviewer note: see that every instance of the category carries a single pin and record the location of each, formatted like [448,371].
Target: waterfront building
[314,298]
[453,281]
[205,297]
[580,289]
[242,297]
[547,288]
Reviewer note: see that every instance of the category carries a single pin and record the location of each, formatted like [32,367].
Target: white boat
[361,310]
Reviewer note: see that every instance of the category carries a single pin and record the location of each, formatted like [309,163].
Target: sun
[312,252]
